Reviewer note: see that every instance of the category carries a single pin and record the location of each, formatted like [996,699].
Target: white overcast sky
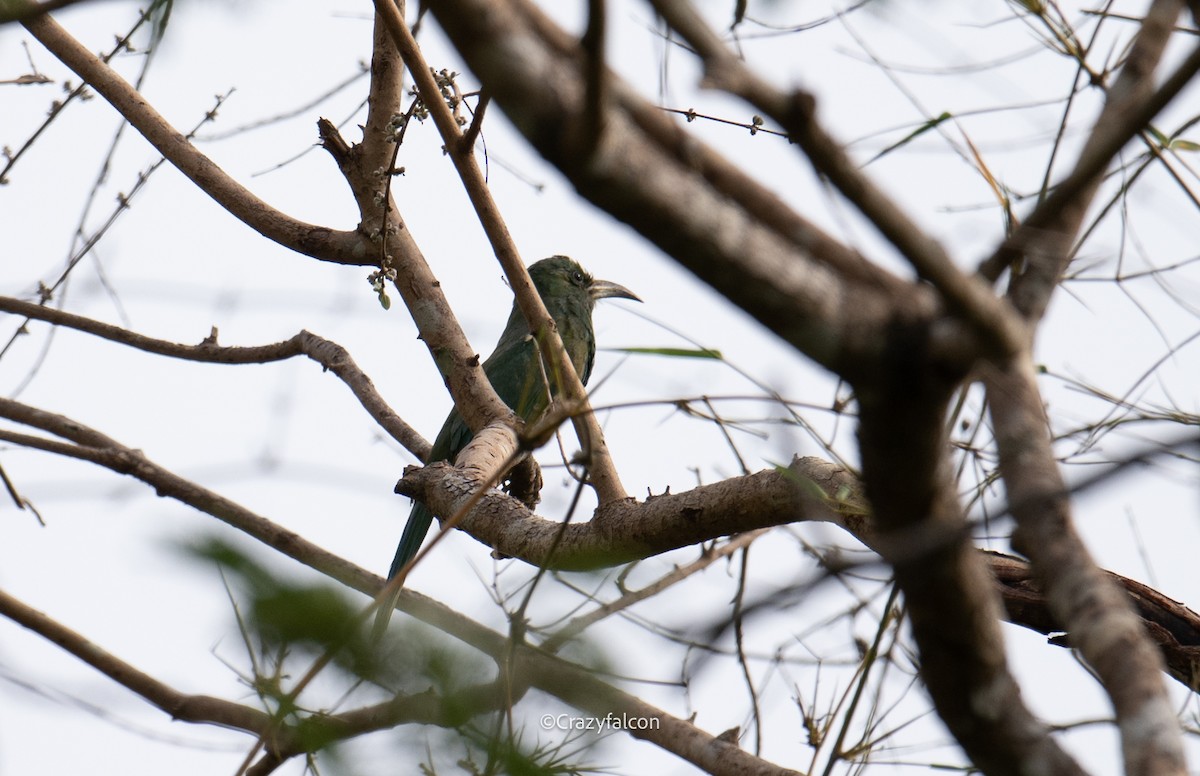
[289,442]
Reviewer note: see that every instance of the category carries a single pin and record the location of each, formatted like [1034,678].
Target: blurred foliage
[288,624]
[288,618]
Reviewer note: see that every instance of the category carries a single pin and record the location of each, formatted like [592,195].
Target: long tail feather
[411,540]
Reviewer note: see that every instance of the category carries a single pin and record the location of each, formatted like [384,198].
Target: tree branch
[330,355]
[283,739]
[574,684]
[1095,612]
[952,605]
[181,706]
[647,171]
[377,152]
[811,489]
[316,241]
[708,556]
[367,168]
[626,530]
[453,355]
[1173,627]
[974,301]
[1044,238]
[1097,615]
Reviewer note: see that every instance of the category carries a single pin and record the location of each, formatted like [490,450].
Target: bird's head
[559,276]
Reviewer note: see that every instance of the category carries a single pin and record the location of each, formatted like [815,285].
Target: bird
[570,294]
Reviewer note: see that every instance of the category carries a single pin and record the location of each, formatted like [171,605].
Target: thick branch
[811,489]
[1098,617]
[367,168]
[952,605]
[421,291]
[626,530]
[376,153]
[823,491]
[577,685]
[1173,627]
[796,113]
[647,171]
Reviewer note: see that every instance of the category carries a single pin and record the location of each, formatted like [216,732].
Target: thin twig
[708,557]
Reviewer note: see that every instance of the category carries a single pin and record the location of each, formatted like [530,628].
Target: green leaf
[160,14]
[928,125]
[318,616]
[672,352]
[1184,145]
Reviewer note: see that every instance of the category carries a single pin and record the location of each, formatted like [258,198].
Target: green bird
[570,295]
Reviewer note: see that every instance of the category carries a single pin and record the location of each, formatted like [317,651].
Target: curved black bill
[605,289]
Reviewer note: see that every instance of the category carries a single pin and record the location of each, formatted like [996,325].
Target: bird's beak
[604,289]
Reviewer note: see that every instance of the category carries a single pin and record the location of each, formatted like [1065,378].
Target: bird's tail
[418,524]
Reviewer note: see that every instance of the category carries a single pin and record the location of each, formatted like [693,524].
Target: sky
[290,443]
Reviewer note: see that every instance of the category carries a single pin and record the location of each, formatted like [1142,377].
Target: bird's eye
[577,276]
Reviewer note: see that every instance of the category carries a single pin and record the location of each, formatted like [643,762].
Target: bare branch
[796,113]
[377,151]
[316,241]
[709,556]
[181,706]
[575,684]
[284,739]
[1097,615]
[79,92]
[329,355]
[625,530]
[403,262]
[1173,627]
[1045,237]
[649,172]
[368,167]
[952,604]
[473,132]
[812,489]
